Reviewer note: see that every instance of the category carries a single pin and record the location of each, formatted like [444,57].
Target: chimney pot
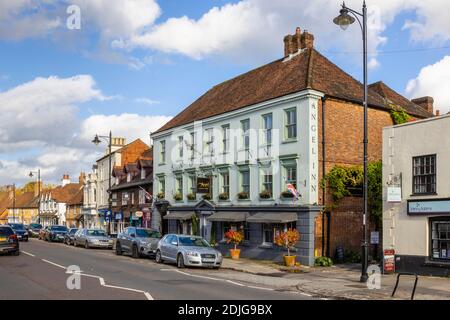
[307,40]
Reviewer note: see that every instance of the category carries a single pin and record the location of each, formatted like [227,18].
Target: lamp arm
[355,14]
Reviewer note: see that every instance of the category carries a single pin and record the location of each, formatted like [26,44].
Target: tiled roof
[26,200]
[395,98]
[4,204]
[307,70]
[77,199]
[64,194]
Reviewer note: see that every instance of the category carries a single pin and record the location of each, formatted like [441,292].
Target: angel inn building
[227,159]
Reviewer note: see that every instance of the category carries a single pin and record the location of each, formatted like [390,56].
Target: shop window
[424,174]
[236,226]
[440,239]
[271,230]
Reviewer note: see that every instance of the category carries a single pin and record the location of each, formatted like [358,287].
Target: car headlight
[219,255]
[192,253]
[94,240]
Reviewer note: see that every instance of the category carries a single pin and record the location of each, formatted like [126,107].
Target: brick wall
[344,146]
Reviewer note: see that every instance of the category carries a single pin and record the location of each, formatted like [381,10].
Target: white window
[226,138]
[125,198]
[192,146]
[245,126]
[225,181]
[268,126]
[267,182]
[291,123]
[179,185]
[162,184]
[180,146]
[162,155]
[244,183]
[192,188]
[209,140]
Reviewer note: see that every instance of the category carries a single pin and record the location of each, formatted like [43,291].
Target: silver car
[137,241]
[92,238]
[192,251]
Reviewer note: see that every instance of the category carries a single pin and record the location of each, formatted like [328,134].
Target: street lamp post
[97,141]
[39,191]
[344,20]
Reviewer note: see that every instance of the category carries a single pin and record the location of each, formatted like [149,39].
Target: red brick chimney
[298,41]
[425,102]
[82,178]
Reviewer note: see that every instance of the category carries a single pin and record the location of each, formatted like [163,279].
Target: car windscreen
[73,231]
[146,233]
[6,232]
[17,226]
[96,233]
[35,226]
[58,228]
[193,242]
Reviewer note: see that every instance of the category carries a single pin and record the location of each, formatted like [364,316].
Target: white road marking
[305,294]
[29,254]
[55,264]
[261,288]
[236,283]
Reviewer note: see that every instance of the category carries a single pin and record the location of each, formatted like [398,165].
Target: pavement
[336,282]
[40,272]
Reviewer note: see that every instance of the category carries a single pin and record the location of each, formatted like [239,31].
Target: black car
[33,229]
[19,229]
[70,236]
[9,243]
[56,233]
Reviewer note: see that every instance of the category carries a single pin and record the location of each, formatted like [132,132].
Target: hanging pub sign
[203,185]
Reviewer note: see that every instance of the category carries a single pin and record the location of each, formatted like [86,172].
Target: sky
[70,69]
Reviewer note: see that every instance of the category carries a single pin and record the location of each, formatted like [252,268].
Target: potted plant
[265,194]
[191,196]
[178,196]
[160,195]
[288,239]
[236,238]
[207,196]
[287,194]
[224,196]
[242,195]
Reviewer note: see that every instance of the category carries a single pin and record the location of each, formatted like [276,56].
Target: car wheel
[118,249]
[26,240]
[135,252]
[16,253]
[180,261]
[158,258]
[86,245]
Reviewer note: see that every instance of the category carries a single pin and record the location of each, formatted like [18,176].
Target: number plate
[208,260]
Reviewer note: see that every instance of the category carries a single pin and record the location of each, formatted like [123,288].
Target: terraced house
[246,139]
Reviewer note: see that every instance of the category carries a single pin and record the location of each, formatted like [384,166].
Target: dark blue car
[19,229]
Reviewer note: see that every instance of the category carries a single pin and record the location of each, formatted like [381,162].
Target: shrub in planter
[178,196]
[160,195]
[243,195]
[323,262]
[192,196]
[224,196]
[207,196]
[265,194]
[236,238]
[288,239]
[287,194]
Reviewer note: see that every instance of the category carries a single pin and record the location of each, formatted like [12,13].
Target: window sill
[289,141]
[266,199]
[423,194]
[437,263]
[244,200]
[227,200]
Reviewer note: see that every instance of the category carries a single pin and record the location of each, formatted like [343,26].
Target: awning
[273,217]
[179,215]
[229,216]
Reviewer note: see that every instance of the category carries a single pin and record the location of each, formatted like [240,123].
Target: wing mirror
[133,235]
[174,243]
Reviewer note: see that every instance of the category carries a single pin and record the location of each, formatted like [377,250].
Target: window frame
[432,175]
[288,125]
[267,132]
[245,134]
[226,138]
[162,151]
[446,220]
[241,181]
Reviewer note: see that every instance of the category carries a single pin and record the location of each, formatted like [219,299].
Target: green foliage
[323,262]
[399,115]
[213,234]
[340,179]
[194,225]
[352,256]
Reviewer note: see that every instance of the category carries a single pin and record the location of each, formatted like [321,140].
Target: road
[40,272]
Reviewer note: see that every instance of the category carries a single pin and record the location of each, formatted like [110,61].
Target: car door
[127,238]
[173,248]
[164,247]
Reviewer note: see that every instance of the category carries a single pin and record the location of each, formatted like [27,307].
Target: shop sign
[139,214]
[394,194]
[429,207]
[389,261]
[203,185]
[118,216]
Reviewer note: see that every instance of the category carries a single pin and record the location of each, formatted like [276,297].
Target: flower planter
[235,254]
[289,261]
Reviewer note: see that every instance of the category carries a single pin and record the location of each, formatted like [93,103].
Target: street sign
[375,237]
[394,194]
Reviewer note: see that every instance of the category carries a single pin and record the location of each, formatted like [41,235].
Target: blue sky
[150,62]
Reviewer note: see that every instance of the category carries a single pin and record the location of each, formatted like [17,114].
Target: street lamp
[344,20]
[39,191]
[108,140]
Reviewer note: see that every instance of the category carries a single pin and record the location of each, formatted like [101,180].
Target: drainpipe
[323,174]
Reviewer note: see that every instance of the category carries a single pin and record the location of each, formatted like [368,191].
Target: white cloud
[146,101]
[433,80]
[127,125]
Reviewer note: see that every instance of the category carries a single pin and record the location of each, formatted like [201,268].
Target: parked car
[56,233]
[70,236]
[33,230]
[9,242]
[43,232]
[19,229]
[192,251]
[90,238]
[138,242]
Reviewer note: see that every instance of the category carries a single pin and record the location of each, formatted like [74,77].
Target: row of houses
[228,160]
